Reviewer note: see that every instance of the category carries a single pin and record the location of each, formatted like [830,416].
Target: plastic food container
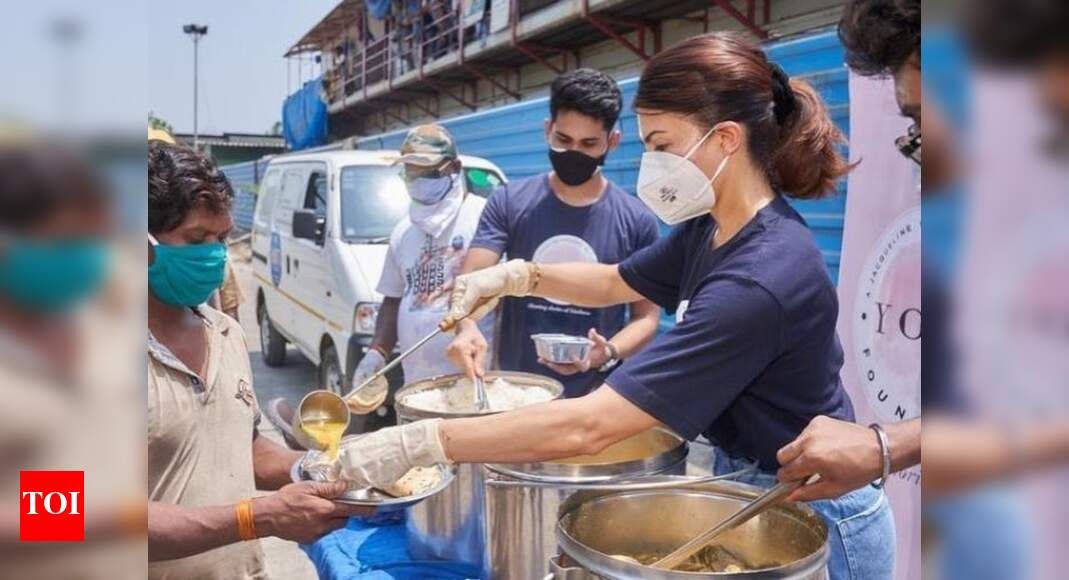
[562,348]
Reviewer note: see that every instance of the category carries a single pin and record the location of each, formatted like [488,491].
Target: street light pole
[196,32]
[66,32]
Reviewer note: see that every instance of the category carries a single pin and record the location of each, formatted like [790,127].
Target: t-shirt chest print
[429,280]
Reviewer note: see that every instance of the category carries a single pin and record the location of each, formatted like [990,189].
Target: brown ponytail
[807,162]
[722,76]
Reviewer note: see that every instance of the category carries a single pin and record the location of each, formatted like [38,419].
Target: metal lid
[407,412]
[649,452]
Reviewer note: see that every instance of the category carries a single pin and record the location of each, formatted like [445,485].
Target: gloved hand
[380,458]
[476,294]
[374,395]
[372,363]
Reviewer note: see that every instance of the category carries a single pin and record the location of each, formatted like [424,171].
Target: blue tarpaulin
[304,117]
[364,550]
[378,9]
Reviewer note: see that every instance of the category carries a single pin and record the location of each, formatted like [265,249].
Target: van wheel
[331,377]
[272,344]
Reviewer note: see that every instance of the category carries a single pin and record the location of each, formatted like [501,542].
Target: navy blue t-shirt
[525,219]
[754,355]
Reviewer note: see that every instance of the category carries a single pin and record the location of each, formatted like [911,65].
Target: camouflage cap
[428,146]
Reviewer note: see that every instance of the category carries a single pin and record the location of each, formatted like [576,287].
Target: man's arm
[961,453]
[645,317]
[301,512]
[386,325]
[272,462]
[177,531]
[468,349]
[846,455]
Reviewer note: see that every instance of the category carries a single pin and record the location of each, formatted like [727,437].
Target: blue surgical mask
[429,190]
[54,275]
[186,275]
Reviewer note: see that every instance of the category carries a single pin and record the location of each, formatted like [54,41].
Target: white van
[319,238]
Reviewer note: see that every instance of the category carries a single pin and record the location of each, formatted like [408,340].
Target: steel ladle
[320,405]
[761,503]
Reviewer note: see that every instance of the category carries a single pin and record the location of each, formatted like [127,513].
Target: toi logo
[51,506]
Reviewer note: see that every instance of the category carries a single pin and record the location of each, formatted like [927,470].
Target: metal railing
[431,33]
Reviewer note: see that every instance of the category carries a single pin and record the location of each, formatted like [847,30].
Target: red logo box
[51,506]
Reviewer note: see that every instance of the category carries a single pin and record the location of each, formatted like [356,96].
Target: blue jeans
[861,529]
[981,534]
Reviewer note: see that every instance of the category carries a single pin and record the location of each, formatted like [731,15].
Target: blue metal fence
[512,136]
[245,179]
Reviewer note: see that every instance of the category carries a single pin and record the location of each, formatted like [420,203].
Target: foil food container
[562,348]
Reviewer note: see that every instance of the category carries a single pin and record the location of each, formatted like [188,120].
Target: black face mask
[574,167]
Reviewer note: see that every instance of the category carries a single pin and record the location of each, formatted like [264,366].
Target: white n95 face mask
[674,187]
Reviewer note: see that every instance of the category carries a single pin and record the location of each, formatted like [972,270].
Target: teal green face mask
[54,275]
[186,275]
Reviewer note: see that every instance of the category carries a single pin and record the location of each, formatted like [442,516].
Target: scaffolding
[425,51]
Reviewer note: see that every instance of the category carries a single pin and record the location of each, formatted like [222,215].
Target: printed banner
[880,289]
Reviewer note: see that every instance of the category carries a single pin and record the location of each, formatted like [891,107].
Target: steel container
[450,524]
[562,348]
[523,501]
[787,542]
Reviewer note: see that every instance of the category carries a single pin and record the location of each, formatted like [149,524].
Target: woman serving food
[754,354]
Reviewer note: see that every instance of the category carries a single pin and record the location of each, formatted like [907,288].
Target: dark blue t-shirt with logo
[525,219]
[754,355]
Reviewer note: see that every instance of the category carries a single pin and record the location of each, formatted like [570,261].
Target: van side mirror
[307,225]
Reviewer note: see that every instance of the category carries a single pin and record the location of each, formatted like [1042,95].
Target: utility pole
[67,33]
[196,32]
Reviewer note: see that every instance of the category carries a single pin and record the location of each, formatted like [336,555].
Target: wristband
[133,518]
[381,351]
[614,358]
[246,527]
[885,454]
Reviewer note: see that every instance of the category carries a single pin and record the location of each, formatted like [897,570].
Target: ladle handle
[443,326]
[392,364]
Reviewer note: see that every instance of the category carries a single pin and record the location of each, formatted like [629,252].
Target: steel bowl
[406,412]
[385,503]
[562,348]
[381,501]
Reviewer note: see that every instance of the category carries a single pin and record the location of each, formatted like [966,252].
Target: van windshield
[373,200]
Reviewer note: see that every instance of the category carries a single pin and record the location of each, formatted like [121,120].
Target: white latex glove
[374,395]
[378,459]
[476,294]
[372,363]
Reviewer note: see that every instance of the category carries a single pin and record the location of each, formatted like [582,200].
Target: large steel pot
[450,525]
[523,501]
[788,541]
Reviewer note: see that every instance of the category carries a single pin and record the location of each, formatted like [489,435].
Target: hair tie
[784,102]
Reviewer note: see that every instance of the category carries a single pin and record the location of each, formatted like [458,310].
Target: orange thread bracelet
[246,527]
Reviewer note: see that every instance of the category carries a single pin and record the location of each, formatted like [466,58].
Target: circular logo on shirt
[564,248]
[887,320]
